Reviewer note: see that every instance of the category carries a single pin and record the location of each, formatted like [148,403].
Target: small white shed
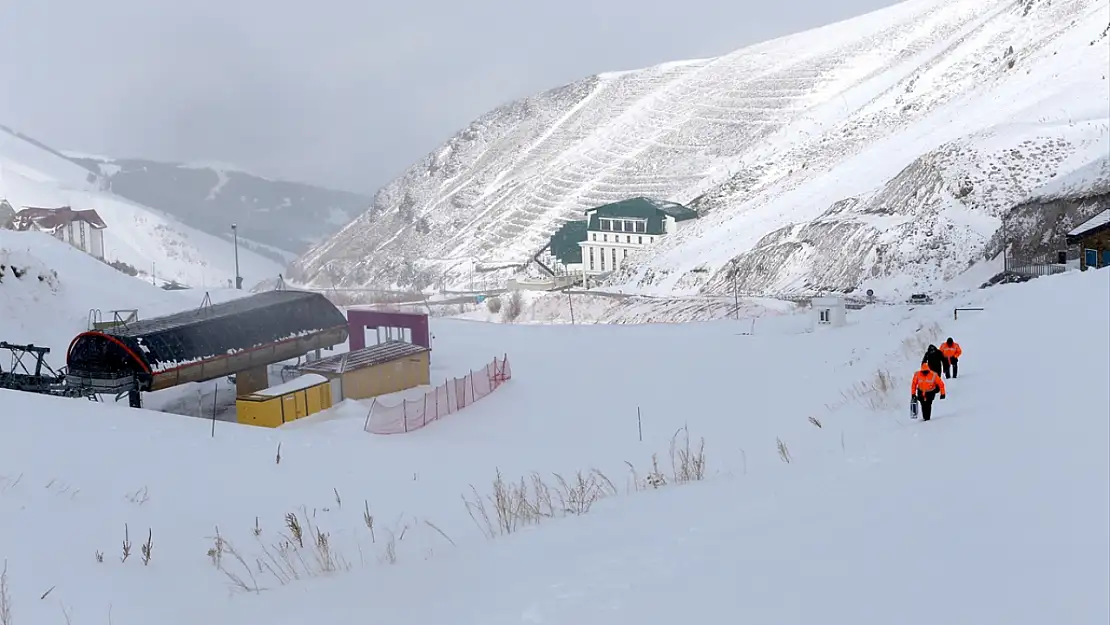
[829,311]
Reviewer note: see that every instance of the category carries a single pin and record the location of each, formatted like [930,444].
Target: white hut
[829,311]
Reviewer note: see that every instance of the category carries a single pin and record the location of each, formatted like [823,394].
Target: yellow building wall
[274,411]
[388,377]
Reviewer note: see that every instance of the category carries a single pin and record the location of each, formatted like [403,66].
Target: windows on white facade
[608,224]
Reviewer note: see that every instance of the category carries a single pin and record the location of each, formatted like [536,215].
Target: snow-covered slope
[879,152]
[151,241]
[284,218]
[995,512]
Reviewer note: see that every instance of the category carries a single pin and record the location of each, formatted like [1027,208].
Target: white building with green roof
[614,231]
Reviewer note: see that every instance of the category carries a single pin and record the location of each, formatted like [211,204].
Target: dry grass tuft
[514,505]
[815,422]
[147,548]
[5,597]
[876,394]
[126,544]
[305,551]
[784,451]
[687,465]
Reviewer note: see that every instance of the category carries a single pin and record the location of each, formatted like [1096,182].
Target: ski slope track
[994,512]
[879,152]
[151,241]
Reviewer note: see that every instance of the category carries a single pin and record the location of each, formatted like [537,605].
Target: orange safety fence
[452,396]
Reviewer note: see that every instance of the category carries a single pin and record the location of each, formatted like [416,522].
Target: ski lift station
[829,311]
[241,337]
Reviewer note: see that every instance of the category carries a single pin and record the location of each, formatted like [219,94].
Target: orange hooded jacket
[925,381]
[951,351]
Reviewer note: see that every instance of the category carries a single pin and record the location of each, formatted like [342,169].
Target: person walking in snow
[924,388]
[951,352]
[934,358]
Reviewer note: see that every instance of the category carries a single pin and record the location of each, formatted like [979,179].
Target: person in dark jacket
[935,358]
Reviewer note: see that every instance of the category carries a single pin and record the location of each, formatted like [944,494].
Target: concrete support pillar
[251,380]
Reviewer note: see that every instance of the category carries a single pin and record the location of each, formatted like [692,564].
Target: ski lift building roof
[270,326]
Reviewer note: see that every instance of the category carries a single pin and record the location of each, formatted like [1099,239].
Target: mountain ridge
[768,137]
[283,218]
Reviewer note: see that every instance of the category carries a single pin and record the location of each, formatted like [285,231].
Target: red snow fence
[452,396]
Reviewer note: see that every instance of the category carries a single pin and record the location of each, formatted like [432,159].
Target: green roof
[564,243]
[642,208]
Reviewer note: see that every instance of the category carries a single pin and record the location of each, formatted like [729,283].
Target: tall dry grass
[512,506]
[302,551]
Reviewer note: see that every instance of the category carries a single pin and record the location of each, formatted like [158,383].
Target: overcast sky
[346,93]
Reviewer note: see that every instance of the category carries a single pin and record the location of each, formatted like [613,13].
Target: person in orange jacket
[951,352]
[924,388]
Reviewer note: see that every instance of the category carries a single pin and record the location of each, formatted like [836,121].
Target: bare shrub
[815,422]
[513,307]
[493,304]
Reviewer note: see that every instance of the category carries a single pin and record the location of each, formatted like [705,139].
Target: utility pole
[235,236]
[570,300]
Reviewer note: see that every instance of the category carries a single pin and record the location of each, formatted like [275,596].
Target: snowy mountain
[880,152]
[822,503]
[150,241]
[288,217]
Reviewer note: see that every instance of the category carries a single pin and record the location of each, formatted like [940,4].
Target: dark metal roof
[204,333]
[641,208]
[244,305]
[362,358]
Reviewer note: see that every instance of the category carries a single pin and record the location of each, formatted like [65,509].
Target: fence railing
[452,396]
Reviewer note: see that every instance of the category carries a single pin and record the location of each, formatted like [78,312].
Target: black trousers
[925,400]
[951,365]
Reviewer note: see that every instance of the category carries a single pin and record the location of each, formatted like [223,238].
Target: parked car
[920,298]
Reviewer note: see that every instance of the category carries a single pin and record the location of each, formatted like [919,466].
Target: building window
[641,240]
[603,259]
[628,238]
[591,259]
[614,258]
[625,255]
[593,236]
[605,237]
[641,226]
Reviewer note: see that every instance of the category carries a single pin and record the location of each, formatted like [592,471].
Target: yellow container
[295,399]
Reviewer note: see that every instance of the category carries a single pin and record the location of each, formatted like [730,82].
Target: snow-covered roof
[1098,221]
[307,380]
[368,356]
